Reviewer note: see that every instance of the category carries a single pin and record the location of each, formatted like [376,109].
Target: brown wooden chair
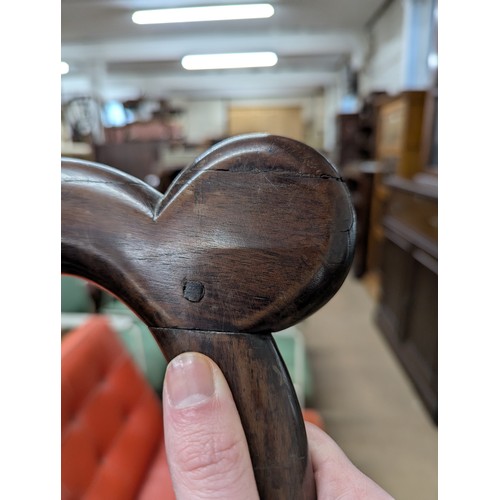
[254,236]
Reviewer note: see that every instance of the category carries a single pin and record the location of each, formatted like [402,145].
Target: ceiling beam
[221,84]
[174,48]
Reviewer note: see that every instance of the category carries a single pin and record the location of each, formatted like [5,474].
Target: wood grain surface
[254,236]
[266,401]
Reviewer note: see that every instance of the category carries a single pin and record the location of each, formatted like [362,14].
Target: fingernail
[189,380]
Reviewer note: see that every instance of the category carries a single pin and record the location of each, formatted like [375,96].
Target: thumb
[206,447]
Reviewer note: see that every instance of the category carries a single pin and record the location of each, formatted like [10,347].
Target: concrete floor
[365,398]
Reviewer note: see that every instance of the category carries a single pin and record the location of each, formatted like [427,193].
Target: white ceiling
[110,55]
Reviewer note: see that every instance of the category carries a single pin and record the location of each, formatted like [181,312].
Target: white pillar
[332,104]
[417,36]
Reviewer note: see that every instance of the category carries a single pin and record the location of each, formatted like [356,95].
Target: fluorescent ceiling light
[227,61]
[64,68]
[208,13]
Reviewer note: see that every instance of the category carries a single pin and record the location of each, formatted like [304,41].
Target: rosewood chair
[254,236]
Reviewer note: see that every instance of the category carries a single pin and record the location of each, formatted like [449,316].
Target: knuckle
[211,459]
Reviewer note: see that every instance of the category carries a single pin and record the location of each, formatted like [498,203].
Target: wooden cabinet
[399,132]
[399,147]
[348,140]
[408,312]
[356,132]
[359,178]
[368,124]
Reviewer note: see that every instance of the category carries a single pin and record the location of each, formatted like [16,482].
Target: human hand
[207,449]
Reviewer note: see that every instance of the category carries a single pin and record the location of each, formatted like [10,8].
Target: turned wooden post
[254,236]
